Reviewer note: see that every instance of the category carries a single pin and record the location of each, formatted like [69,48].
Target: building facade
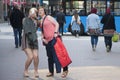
[1,11]
[6,5]
[83,6]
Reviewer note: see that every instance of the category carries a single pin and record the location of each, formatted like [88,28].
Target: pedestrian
[30,42]
[93,23]
[49,27]
[108,22]
[75,23]
[60,17]
[16,18]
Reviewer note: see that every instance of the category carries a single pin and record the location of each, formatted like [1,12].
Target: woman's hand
[79,22]
[56,34]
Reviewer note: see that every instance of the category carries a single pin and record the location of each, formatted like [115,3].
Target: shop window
[116,8]
[75,5]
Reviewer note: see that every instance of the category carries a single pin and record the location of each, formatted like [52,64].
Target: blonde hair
[32,11]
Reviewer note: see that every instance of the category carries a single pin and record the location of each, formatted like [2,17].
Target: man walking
[60,17]
[16,23]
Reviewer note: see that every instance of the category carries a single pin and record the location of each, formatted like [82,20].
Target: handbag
[108,32]
[94,31]
[62,53]
[115,37]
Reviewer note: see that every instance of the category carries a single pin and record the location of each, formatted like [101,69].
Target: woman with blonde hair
[30,42]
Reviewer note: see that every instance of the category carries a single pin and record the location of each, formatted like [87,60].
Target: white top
[92,22]
[73,19]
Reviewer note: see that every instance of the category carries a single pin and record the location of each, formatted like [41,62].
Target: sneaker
[108,49]
[77,35]
[94,47]
[16,46]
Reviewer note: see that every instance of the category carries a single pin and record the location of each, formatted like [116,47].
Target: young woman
[108,22]
[93,23]
[30,42]
[75,23]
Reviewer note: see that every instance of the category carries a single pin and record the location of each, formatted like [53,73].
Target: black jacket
[108,22]
[16,18]
[60,17]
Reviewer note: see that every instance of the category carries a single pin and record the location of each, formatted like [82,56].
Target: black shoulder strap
[43,22]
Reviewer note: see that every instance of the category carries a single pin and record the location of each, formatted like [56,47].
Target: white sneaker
[108,48]
[94,47]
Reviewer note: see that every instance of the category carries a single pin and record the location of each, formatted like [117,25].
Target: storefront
[84,6]
[8,4]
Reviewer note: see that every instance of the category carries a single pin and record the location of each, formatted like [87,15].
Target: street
[86,64]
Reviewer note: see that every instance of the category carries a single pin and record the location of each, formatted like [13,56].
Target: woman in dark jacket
[108,22]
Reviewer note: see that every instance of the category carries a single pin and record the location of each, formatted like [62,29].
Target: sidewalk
[6,31]
[88,72]
[83,73]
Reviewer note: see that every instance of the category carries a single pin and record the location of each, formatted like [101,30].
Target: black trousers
[52,57]
[108,41]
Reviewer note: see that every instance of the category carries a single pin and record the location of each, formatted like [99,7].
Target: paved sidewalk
[83,73]
[89,72]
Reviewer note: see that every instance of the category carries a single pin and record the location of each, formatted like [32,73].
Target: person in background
[108,22]
[75,23]
[60,17]
[50,28]
[93,22]
[16,18]
[30,42]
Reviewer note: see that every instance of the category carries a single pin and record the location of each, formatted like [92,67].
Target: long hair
[76,15]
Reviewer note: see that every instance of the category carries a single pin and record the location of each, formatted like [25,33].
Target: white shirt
[92,22]
[73,19]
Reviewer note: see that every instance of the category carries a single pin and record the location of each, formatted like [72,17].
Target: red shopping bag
[62,53]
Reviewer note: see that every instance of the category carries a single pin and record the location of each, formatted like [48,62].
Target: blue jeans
[94,40]
[17,36]
[52,57]
[61,29]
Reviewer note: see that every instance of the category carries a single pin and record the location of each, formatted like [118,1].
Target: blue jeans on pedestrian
[52,57]
[17,36]
[94,40]
[61,29]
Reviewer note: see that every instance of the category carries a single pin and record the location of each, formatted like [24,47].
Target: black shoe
[16,46]
[108,48]
[19,45]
